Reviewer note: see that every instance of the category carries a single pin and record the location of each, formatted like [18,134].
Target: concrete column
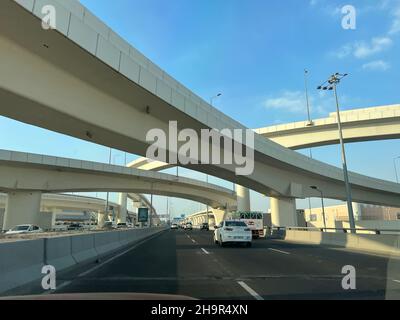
[123,204]
[283,212]
[101,219]
[22,208]
[243,198]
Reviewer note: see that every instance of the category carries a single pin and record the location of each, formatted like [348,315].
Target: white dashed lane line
[250,290]
[205,251]
[280,251]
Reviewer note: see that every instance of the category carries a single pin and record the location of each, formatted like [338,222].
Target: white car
[188,226]
[24,228]
[232,231]
[174,226]
[122,225]
[110,225]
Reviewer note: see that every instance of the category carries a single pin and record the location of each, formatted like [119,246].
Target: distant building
[365,216]
[362,212]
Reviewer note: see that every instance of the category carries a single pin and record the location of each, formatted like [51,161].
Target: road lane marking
[205,251]
[194,241]
[250,290]
[280,251]
[116,256]
[398,281]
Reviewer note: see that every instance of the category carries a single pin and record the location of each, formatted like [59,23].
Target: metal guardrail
[344,230]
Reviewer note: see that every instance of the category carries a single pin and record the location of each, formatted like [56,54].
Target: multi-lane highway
[189,263]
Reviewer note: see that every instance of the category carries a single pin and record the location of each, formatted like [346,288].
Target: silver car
[24,228]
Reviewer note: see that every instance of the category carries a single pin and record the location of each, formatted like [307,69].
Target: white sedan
[24,228]
[232,231]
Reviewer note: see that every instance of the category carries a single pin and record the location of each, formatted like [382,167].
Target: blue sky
[254,53]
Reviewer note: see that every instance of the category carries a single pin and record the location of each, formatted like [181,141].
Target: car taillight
[247,229]
[228,229]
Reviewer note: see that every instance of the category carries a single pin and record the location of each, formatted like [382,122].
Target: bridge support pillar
[283,212]
[22,208]
[101,219]
[243,198]
[219,215]
[123,202]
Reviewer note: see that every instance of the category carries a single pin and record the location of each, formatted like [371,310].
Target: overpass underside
[89,96]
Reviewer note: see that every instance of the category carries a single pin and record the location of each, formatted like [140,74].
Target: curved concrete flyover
[55,201]
[367,124]
[99,88]
[215,217]
[28,172]
[26,176]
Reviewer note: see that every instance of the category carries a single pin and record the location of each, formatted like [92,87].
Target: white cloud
[295,102]
[292,101]
[379,44]
[362,49]
[395,28]
[377,65]
[343,52]
[366,49]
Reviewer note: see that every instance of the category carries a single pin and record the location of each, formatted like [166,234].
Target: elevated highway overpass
[26,176]
[367,124]
[119,95]
[60,203]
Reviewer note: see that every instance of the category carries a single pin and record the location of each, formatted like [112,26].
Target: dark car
[204,226]
[75,226]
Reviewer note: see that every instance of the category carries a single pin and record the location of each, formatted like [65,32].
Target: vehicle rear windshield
[235,224]
[20,228]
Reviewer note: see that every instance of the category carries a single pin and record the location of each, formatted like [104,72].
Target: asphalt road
[189,263]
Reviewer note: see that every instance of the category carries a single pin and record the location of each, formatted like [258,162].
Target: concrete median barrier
[83,248]
[21,262]
[58,252]
[373,243]
[106,242]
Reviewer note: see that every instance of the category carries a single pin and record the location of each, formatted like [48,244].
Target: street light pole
[214,97]
[395,168]
[333,81]
[211,104]
[108,193]
[208,220]
[310,122]
[344,163]
[151,208]
[323,206]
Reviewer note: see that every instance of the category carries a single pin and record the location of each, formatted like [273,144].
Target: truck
[254,220]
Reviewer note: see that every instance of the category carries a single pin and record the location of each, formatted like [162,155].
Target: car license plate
[238,237]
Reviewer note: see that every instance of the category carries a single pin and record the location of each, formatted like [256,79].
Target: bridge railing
[343,230]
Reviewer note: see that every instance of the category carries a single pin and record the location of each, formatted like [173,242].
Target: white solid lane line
[398,281]
[280,251]
[102,264]
[250,290]
[205,251]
